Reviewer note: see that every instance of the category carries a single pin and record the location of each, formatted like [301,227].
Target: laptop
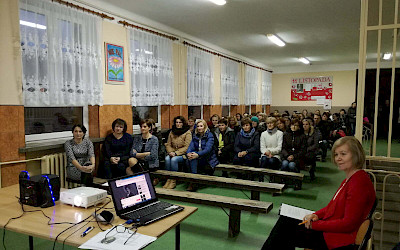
[134,198]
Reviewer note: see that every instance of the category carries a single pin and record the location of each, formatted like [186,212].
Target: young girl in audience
[238,118]
[178,142]
[233,124]
[312,138]
[117,147]
[214,122]
[293,148]
[271,145]
[144,150]
[201,150]
[226,140]
[80,156]
[280,124]
[247,145]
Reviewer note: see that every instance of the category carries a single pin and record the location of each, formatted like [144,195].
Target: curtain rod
[102,15]
[221,55]
[125,23]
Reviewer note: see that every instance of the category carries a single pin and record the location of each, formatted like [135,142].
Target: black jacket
[294,143]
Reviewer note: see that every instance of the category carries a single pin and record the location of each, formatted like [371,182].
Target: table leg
[30,242]
[178,237]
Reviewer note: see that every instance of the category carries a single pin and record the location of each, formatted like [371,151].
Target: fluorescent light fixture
[33,25]
[387,56]
[304,60]
[218,2]
[276,40]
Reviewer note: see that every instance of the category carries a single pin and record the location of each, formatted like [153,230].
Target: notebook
[134,198]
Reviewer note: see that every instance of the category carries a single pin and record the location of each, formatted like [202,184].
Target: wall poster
[114,64]
[311,88]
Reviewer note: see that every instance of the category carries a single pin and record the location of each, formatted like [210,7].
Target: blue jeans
[271,163]
[289,166]
[194,163]
[171,163]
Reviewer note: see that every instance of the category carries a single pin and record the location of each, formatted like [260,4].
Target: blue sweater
[207,147]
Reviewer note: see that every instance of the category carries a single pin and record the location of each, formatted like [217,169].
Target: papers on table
[137,241]
[294,212]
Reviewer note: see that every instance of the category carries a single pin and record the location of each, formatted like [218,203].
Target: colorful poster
[311,88]
[114,64]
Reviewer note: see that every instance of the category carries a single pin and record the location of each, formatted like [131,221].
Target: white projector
[83,196]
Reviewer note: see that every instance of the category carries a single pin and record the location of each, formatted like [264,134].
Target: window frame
[201,111]
[136,128]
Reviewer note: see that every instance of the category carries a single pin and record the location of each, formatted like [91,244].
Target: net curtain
[266,86]
[229,82]
[251,87]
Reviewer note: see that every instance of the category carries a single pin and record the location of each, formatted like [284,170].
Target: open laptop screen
[131,191]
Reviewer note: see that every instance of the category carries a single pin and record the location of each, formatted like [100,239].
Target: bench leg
[255,195]
[234,223]
[297,185]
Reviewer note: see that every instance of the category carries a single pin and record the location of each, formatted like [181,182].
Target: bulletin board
[316,88]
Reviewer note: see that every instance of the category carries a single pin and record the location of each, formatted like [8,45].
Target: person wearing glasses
[293,148]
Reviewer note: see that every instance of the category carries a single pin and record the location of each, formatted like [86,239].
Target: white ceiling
[326,32]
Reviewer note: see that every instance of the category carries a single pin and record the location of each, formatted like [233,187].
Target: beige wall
[116,93]
[343,92]
[217,80]
[10,70]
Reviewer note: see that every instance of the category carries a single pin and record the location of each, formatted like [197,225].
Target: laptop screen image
[131,191]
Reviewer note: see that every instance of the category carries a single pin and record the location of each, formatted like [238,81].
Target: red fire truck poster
[311,88]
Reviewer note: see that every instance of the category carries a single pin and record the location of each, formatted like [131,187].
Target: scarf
[272,131]
[247,135]
[179,131]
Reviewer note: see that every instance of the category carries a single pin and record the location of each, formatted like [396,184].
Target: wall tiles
[108,113]
[165,119]
[94,122]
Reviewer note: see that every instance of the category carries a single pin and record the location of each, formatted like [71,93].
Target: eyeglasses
[121,229]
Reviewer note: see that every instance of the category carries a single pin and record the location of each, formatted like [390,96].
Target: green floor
[208,227]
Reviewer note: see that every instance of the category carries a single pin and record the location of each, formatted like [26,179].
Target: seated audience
[80,156]
[312,138]
[293,148]
[117,148]
[226,140]
[336,225]
[178,142]
[201,152]
[247,145]
[271,145]
[144,153]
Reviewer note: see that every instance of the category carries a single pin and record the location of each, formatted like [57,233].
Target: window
[54,122]
[247,109]
[225,111]
[196,111]
[145,112]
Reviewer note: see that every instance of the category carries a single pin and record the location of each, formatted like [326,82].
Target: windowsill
[35,146]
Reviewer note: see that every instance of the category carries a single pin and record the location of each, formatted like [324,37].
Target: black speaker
[39,190]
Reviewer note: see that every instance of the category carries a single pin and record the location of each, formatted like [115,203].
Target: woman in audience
[247,145]
[233,124]
[281,124]
[117,147]
[214,122]
[192,123]
[293,147]
[238,118]
[178,142]
[201,152]
[305,113]
[80,156]
[226,140]
[312,138]
[271,145]
[144,150]
[336,225]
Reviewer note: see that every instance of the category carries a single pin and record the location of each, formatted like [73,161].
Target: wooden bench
[236,205]
[275,175]
[254,186]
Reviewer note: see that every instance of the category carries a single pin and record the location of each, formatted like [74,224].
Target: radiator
[56,164]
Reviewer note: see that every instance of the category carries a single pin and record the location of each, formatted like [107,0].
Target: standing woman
[293,148]
[80,156]
[271,145]
[335,225]
[144,150]
[178,142]
[312,138]
[351,116]
[117,147]
[247,145]
[201,150]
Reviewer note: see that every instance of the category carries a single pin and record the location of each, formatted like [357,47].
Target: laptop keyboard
[148,210]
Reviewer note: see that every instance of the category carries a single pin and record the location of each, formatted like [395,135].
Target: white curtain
[150,64]
[266,86]
[251,86]
[61,55]
[229,82]
[200,77]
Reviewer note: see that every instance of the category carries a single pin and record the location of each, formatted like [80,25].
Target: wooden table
[35,224]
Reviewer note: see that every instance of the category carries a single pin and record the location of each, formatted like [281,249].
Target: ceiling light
[33,25]
[387,56]
[304,60]
[219,2]
[276,40]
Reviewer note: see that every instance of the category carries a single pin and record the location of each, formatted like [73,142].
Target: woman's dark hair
[239,115]
[149,122]
[223,121]
[294,121]
[326,113]
[215,115]
[81,127]
[121,122]
[182,119]
[192,118]
[245,121]
[343,110]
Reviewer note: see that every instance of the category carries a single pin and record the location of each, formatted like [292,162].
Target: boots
[172,184]
[192,187]
[167,184]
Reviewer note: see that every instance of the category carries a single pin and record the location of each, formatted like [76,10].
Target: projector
[83,196]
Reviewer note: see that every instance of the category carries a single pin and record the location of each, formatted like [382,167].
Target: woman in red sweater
[335,225]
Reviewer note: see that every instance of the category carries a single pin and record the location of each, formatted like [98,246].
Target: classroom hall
[264,76]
